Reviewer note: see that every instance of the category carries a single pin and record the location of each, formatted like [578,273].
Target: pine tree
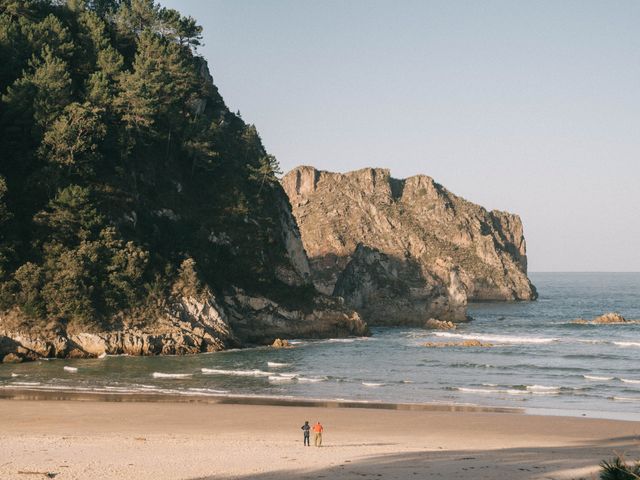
[46,85]
[72,139]
[71,216]
[158,88]
[51,34]
[136,16]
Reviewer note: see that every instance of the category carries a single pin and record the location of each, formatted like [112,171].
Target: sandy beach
[171,440]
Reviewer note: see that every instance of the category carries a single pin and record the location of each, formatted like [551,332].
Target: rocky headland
[404,251]
[138,214]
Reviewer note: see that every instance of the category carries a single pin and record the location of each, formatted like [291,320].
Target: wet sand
[197,440]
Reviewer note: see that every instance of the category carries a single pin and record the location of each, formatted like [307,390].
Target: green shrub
[618,469]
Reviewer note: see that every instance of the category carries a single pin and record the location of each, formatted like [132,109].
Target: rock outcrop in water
[611,318]
[402,251]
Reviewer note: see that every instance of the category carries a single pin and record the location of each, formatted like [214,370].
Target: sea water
[540,360]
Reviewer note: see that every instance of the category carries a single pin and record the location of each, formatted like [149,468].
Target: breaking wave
[497,338]
[171,375]
[237,373]
[277,365]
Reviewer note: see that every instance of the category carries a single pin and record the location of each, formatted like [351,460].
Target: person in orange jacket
[317,429]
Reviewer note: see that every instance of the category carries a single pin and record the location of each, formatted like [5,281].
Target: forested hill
[124,178]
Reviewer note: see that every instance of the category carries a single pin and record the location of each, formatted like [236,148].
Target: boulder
[11,358]
[279,343]
[611,318]
[434,324]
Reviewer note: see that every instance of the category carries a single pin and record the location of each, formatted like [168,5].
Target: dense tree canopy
[122,172]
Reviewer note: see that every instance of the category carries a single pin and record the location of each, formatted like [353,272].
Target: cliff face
[189,325]
[424,252]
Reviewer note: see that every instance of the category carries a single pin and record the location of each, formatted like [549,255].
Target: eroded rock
[368,235]
[257,320]
[279,343]
[610,318]
[434,324]
[189,325]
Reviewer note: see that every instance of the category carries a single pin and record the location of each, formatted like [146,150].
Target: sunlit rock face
[404,251]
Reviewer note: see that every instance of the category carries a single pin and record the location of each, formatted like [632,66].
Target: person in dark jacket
[305,430]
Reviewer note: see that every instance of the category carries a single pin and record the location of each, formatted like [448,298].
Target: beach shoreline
[27,394]
[190,439]
[44,394]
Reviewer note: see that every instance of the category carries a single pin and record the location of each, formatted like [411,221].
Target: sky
[532,107]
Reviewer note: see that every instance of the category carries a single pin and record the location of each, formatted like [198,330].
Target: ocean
[540,361]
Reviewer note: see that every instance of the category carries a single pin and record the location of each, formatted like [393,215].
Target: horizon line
[583,271]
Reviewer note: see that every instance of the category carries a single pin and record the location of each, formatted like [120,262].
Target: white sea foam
[627,344]
[311,380]
[14,375]
[596,377]
[372,384]
[70,369]
[627,399]
[542,388]
[237,373]
[492,391]
[407,381]
[26,384]
[288,375]
[514,392]
[475,390]
[208,390]
[496,338]
[170,375]
[629,380]
[277,378]
[277,365]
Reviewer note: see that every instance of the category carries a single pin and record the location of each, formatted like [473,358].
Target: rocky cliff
[402,251]
[188,325]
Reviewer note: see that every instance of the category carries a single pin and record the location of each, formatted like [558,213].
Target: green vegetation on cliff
[119,161]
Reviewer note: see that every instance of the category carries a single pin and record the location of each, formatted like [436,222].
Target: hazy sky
[531,107]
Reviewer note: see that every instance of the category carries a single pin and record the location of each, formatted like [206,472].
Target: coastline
[50,394]
[194,439]
[26,394]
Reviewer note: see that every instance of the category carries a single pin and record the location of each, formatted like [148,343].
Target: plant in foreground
[619,469]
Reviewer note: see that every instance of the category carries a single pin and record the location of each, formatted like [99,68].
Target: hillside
[137,213]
